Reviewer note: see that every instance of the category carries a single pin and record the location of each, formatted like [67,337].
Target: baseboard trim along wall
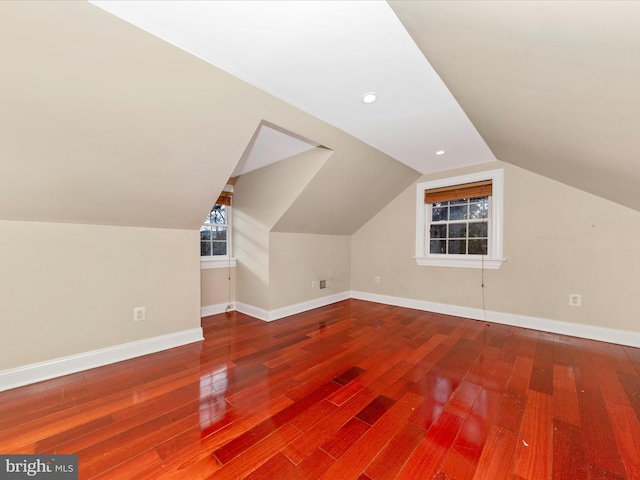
[271,315]
[37,372]
[611,335]
[215,309]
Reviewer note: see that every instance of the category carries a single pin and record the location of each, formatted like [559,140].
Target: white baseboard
[215,309]
[253,311]
[611,335]
[37,372]
[270,315]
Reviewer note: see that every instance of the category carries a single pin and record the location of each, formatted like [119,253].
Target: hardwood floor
[354,390]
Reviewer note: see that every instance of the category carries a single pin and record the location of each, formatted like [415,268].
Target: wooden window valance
[457,192]
[224,199]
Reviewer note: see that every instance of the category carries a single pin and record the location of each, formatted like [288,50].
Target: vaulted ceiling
[103,122]
[552,86]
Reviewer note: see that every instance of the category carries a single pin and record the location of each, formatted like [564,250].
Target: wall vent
[323,284]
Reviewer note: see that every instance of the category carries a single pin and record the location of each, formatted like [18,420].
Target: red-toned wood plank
[627,434]
[355,460]
[463,398]
[456,465]
[510,412]
[610,386]
[564,378]
[258,454]
[631,386]
[426,459]
[427,413]
[566,406]
[147,460]
[599,473]
[569,452]
[344,438]
[462,459]
[395,453]
[498,454]
[542,379]
[277,466]
[376,408]
[317,434]
[241,443]
[598,432]
[345,393]
[518,384]
[313,466]
[348,375]
[313,415]
[533,455]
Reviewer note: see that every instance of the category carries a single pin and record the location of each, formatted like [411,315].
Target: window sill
[213,262]
[461,262]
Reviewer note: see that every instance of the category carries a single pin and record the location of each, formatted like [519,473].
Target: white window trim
[222,261]
[217,261]
[494,258]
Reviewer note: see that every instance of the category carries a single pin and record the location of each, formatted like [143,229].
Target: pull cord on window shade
[457,192]
[224,199]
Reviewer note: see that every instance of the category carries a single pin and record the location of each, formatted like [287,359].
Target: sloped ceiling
[322,56]
[103,123]
[552,87]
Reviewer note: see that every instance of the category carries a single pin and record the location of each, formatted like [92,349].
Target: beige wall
[298,259]
[260,198]
[68,289]
[557,240]
[217,286]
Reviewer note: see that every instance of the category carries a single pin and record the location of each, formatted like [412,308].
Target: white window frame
[494,258]
[221,261]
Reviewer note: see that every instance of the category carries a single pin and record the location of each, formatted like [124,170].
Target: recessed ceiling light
[440,152]
[369,97]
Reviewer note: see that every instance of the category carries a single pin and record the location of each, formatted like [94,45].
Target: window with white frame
[459,221]
[215,234]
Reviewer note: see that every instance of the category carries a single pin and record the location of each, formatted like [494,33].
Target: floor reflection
[213,406]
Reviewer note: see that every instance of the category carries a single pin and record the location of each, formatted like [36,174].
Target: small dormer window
[215,234]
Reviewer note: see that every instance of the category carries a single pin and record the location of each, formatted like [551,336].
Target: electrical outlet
[376,280]
[139,314]
[575,300]
[314,285]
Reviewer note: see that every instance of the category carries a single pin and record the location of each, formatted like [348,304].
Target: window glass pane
[439,214]
[219,233]
[479,209]
[462,201]
[218,214]
[478,247]
[458,212]
[205,233]
[457,230]
[205,249]
[478,229]
[219,248]
[438,231]
[438,246]
[457,247]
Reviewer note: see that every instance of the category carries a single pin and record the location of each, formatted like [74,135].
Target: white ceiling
[322,56]
[269,145]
